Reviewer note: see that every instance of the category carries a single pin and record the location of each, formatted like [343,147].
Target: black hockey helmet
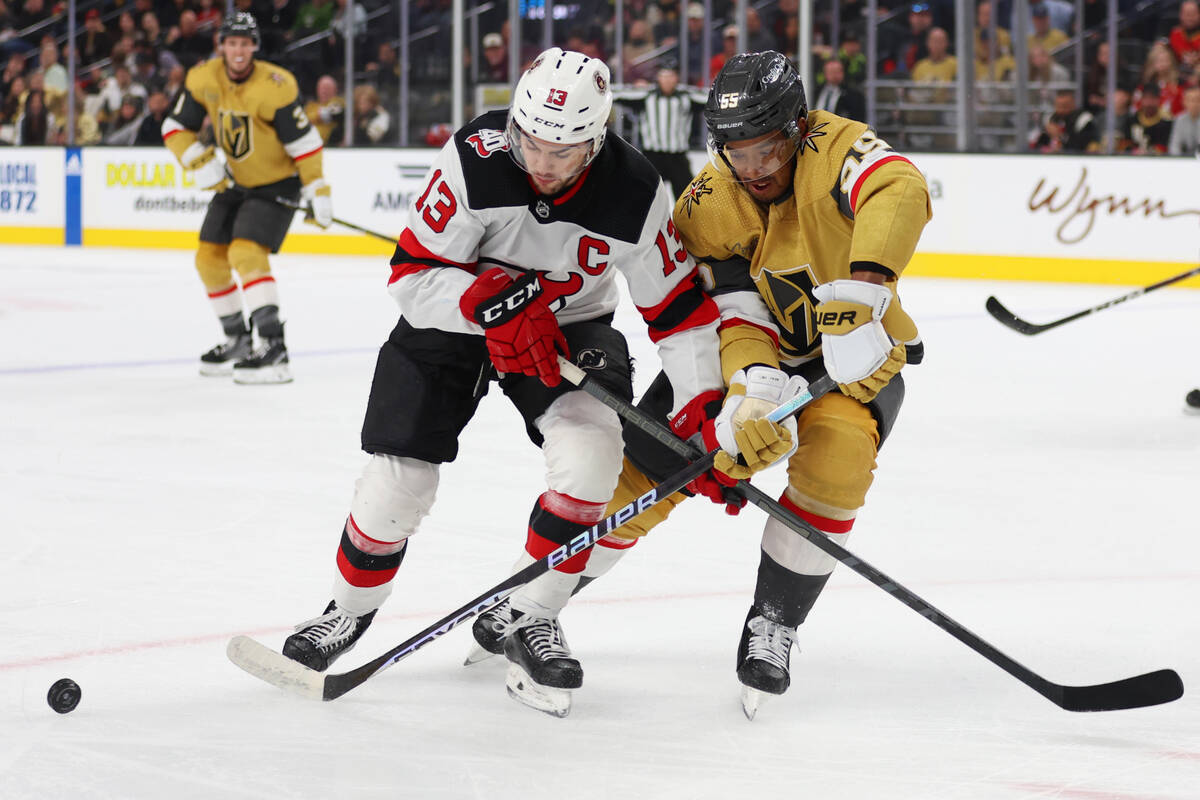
[753,95]
[239,23]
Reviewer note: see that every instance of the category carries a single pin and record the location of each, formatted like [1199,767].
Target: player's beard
[771,187]
[235,75]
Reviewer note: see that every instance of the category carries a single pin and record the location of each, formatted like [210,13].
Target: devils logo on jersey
[488,141]
[555,293]
[788,293]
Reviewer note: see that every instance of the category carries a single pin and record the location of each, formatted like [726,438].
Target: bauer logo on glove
[864,335]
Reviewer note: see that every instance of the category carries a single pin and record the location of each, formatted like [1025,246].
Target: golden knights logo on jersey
[788,294]
[233,133]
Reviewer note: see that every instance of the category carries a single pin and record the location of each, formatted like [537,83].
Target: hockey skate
[266,364]
[219,361]
[763,660]
[490,631]
[541,671]
[319,641]
[1191,403]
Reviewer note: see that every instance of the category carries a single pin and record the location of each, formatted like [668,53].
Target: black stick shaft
[1148,689]
[1011,320]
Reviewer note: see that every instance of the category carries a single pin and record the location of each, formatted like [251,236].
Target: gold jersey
[854,204]
[258,122]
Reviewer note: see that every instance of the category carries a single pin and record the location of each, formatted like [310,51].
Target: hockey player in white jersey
[508,259]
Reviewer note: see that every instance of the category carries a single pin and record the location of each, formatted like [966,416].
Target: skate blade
[547,699]
[751,700]
[280,373]
[216,370]
[478,654]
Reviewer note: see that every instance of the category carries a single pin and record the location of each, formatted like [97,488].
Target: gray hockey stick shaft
[1152,688]
[292,204]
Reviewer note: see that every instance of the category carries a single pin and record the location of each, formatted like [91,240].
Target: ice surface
[1040,490]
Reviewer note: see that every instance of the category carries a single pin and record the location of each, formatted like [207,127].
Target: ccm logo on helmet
[728,100]
[549,123]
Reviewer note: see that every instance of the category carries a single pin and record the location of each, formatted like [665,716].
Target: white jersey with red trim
[479,210]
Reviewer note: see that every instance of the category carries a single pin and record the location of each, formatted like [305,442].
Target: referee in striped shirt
[665,114]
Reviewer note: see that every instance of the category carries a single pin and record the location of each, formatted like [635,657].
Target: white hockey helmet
[564,97]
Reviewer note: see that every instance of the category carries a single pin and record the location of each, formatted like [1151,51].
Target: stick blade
[265,664]
[1011,320]
[1150,689]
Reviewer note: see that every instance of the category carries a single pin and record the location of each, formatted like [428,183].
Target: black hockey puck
[64,695]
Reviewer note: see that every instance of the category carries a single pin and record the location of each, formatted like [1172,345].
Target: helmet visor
[547,161]
[754,159]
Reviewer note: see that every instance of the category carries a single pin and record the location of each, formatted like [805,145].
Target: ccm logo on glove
[505,306]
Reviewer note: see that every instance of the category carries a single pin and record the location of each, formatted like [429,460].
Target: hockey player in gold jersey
[800,225]
[266,149]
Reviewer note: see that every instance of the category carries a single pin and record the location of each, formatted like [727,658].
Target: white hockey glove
[742,427]
[320,202]
[208,167]
[863,335]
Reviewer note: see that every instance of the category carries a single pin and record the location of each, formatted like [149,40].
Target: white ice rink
[1040,490]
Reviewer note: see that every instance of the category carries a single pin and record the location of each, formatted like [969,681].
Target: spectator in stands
[383,72]
[854,61]
[175,77]
[666,27]
[113,92]
[983,22]
[836,97]
[10,110]
[371,122]
[190,45]
[208,16]
[1043,69]
[1185,37]
[32,12]
[758,38]
[1122,122]
[992,65]
[122,129]
[152,34]
[1151,127]
[1059,11]
[149,132]
[93,43]
[913,47]
[327,111]
[1068,129]
[54,74]
[1043,34]
[1185,129]
[1162,72]
[939,66]
[126,25]
[146,69]
[639,67]
[33,126]
[275,23]
[1095,85]
[729,49]
[695,44]
[14,69]
[87,130]
[314,16]
[494,68]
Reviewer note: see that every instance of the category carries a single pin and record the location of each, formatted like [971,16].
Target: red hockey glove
[691,421]
[522,332]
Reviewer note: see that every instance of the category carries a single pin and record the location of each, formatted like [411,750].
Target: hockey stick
[1006,317]
[283,201]
[1152,688]
[277,670]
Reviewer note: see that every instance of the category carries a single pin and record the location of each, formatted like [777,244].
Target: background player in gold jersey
[801,225]
[266,148]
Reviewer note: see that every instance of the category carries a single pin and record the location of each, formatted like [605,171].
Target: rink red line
[191,641]
[1065,791]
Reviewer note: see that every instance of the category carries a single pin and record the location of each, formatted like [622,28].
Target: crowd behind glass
[895,65]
